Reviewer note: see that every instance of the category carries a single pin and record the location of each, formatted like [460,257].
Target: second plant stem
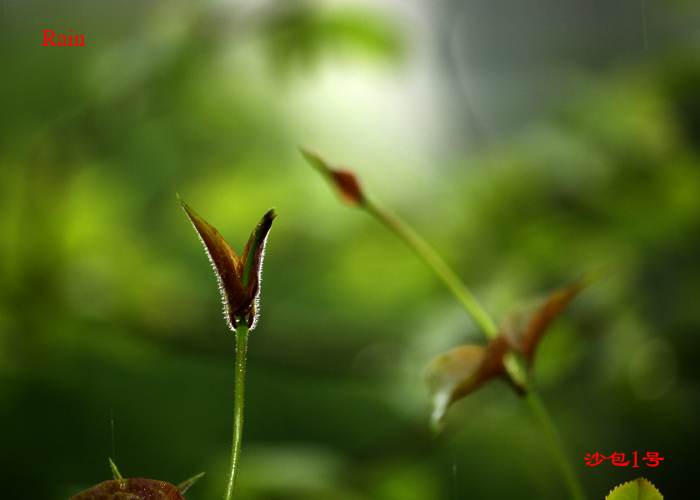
[414,241]
[554,444]
[241,348]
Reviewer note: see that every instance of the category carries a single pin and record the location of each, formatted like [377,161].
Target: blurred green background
[529,145]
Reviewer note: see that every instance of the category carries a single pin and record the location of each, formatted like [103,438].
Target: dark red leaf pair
[460,371]
[239,278]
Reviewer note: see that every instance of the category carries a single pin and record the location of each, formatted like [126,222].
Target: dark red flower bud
[343,180]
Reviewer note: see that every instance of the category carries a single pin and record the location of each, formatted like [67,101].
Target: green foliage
[639,489]
[298,34]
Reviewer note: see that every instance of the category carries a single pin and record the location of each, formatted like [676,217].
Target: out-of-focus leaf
[239,279]
[300,34]
[364,30]
[456,373]
[131,489]
[639,489]
[344,181]
[460,371]
[524,326]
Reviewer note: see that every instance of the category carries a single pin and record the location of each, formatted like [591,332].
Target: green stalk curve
[416,243]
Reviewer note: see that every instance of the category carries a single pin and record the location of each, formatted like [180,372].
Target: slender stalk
[436,263]
[554,444]
[486,323]
[241,348]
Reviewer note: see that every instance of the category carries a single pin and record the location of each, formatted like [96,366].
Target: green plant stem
[554,444]
[436,263]
[241,348]
[414,241]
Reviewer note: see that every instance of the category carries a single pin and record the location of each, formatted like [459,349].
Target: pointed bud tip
[265,224]
[184,205]
[115,471]
[270,214]
[186,484]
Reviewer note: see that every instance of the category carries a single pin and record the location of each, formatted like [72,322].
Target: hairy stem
[487,325]
[241,348]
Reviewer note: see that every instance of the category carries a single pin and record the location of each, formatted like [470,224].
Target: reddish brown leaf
[251,272]
[237,300]
[460,371]
[524,326]
[343,180]
[131,489]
